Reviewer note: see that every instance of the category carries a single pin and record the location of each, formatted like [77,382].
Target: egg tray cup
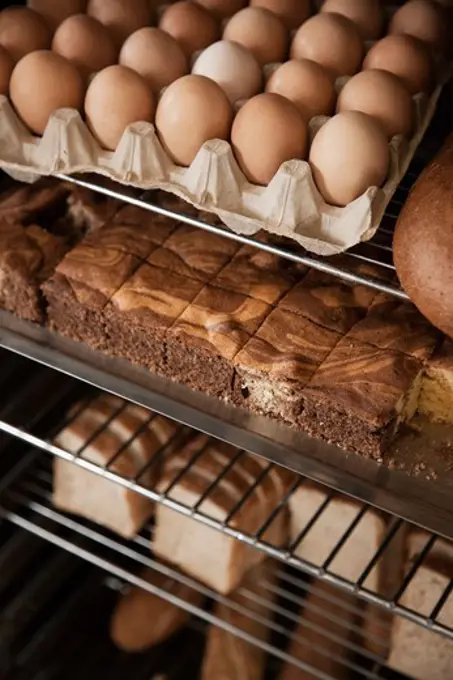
[289,206]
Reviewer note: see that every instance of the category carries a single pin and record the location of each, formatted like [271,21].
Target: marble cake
[38,224]
[340,362]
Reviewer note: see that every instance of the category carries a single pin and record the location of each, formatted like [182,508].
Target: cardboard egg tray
[289,206]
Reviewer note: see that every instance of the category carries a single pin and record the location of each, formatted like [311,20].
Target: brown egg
[6,68]
[43,82]
[56,11]
[23,30]
[267,131]
[122,17]
[192,26]
[382,96]
[85,42]
[406,57]
[223,8]
[261,32]
[117,97]
[331,40]
[423,20]
[155,55]
[191,111]
[349,154]
[291,12]
[366,14]
[307,84]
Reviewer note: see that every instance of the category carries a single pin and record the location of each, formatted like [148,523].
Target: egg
[349,154]
[366,14]
[56,11]
[267,131]
[223,8]
[86,43]
[22,30]
[233,67]
[191,111]
[292,12]
[331,40]
[192,26]
[307,84]
[6,68]
[122,17]
[406,57]
[117,97]
[41,83]
[155,55]
[423,20]
[382,96]
[261,32]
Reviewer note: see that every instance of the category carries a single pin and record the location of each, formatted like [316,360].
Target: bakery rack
[25,501]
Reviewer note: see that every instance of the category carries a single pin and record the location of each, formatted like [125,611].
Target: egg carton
[289,206]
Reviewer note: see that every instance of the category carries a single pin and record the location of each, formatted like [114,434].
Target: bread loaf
[423,243]
[416,651]
[99,432]
[229,657]
[355,554]
[209,555]
[321,640]
[142,619]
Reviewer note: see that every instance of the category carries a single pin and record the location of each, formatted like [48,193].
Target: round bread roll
[423,243]
[142,619]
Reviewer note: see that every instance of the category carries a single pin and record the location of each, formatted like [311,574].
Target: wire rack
[54,618]
[38,481]
[27,504]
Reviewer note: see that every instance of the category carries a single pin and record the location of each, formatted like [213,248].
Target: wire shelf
[393,534]
[27,504]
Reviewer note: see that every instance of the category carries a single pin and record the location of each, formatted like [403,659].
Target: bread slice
[421,653]
[99,432]
[229,657]
[322,639]
[142,619]
[357,551]
[212,556]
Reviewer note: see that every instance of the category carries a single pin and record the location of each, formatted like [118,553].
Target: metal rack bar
[287,253]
